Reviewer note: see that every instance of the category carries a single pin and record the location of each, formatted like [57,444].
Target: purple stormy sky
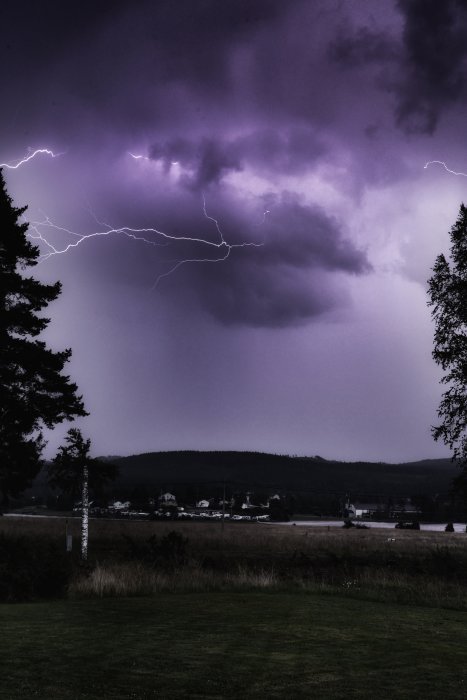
[299,128]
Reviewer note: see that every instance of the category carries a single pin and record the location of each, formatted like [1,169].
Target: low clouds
[296,271]
[305,236]
[206,161]
[290,279]
[266,296]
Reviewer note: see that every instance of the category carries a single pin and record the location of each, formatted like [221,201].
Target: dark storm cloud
[266,297]
[285,282]
[207,160]
[122,67]
[171,75]
[197,35]
[362,47]
[292,150]
[38,31]
[119,66]
[435,43]
[296,244]
[153,71]
[34,33]
[302,235]
[425,68]
[295,275]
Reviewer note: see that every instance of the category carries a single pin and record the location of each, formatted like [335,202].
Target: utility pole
[68,538]
[85,514]
[223,508]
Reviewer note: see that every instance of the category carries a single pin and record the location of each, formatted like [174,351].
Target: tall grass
[136,558]
[127,580]
[138,580]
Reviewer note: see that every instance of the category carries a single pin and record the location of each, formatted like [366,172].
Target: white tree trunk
[85,515]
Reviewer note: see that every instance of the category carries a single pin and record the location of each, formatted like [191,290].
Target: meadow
[138,558]
[176,610]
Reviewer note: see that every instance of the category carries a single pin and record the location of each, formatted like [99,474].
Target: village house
[119,505]
[367,510]
[405,509]
[167,499]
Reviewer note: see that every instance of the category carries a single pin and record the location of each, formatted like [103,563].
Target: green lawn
[231,645]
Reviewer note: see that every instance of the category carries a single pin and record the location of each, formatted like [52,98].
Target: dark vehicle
[408,526]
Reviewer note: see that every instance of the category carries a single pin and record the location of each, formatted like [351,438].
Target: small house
[120,505]
[367,510]
[167,499]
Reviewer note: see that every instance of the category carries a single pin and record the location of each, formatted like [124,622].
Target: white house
[366,510]
[120,505]
[167,499]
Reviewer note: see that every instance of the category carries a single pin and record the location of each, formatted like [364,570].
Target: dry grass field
[143,558]
[239,536]
[172,610]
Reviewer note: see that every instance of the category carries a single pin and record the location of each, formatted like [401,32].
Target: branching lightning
[41,230]
[30,156]
[149,236]
[441,162]
[47,223]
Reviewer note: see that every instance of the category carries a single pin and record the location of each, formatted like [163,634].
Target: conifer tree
[76,473]
[448,297]
[34,392]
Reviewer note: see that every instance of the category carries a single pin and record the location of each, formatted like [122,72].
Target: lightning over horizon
[32,154]
[441,162]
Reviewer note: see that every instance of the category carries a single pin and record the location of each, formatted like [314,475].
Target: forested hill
[256,470]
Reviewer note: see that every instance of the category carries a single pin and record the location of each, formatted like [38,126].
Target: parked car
[408,526]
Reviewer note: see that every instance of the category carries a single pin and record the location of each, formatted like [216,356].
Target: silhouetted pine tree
[448,297]
[34,393]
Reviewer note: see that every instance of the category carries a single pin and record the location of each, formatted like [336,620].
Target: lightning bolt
[441,162]
[148,235]
[32,154]
[47,223]
[138,157]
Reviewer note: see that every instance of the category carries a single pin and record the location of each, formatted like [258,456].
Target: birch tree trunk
[85,515]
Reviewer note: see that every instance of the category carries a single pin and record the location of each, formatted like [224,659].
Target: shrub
[169,549]
[32,568]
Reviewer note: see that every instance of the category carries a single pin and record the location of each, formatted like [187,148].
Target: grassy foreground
[231,645]
[130,558]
